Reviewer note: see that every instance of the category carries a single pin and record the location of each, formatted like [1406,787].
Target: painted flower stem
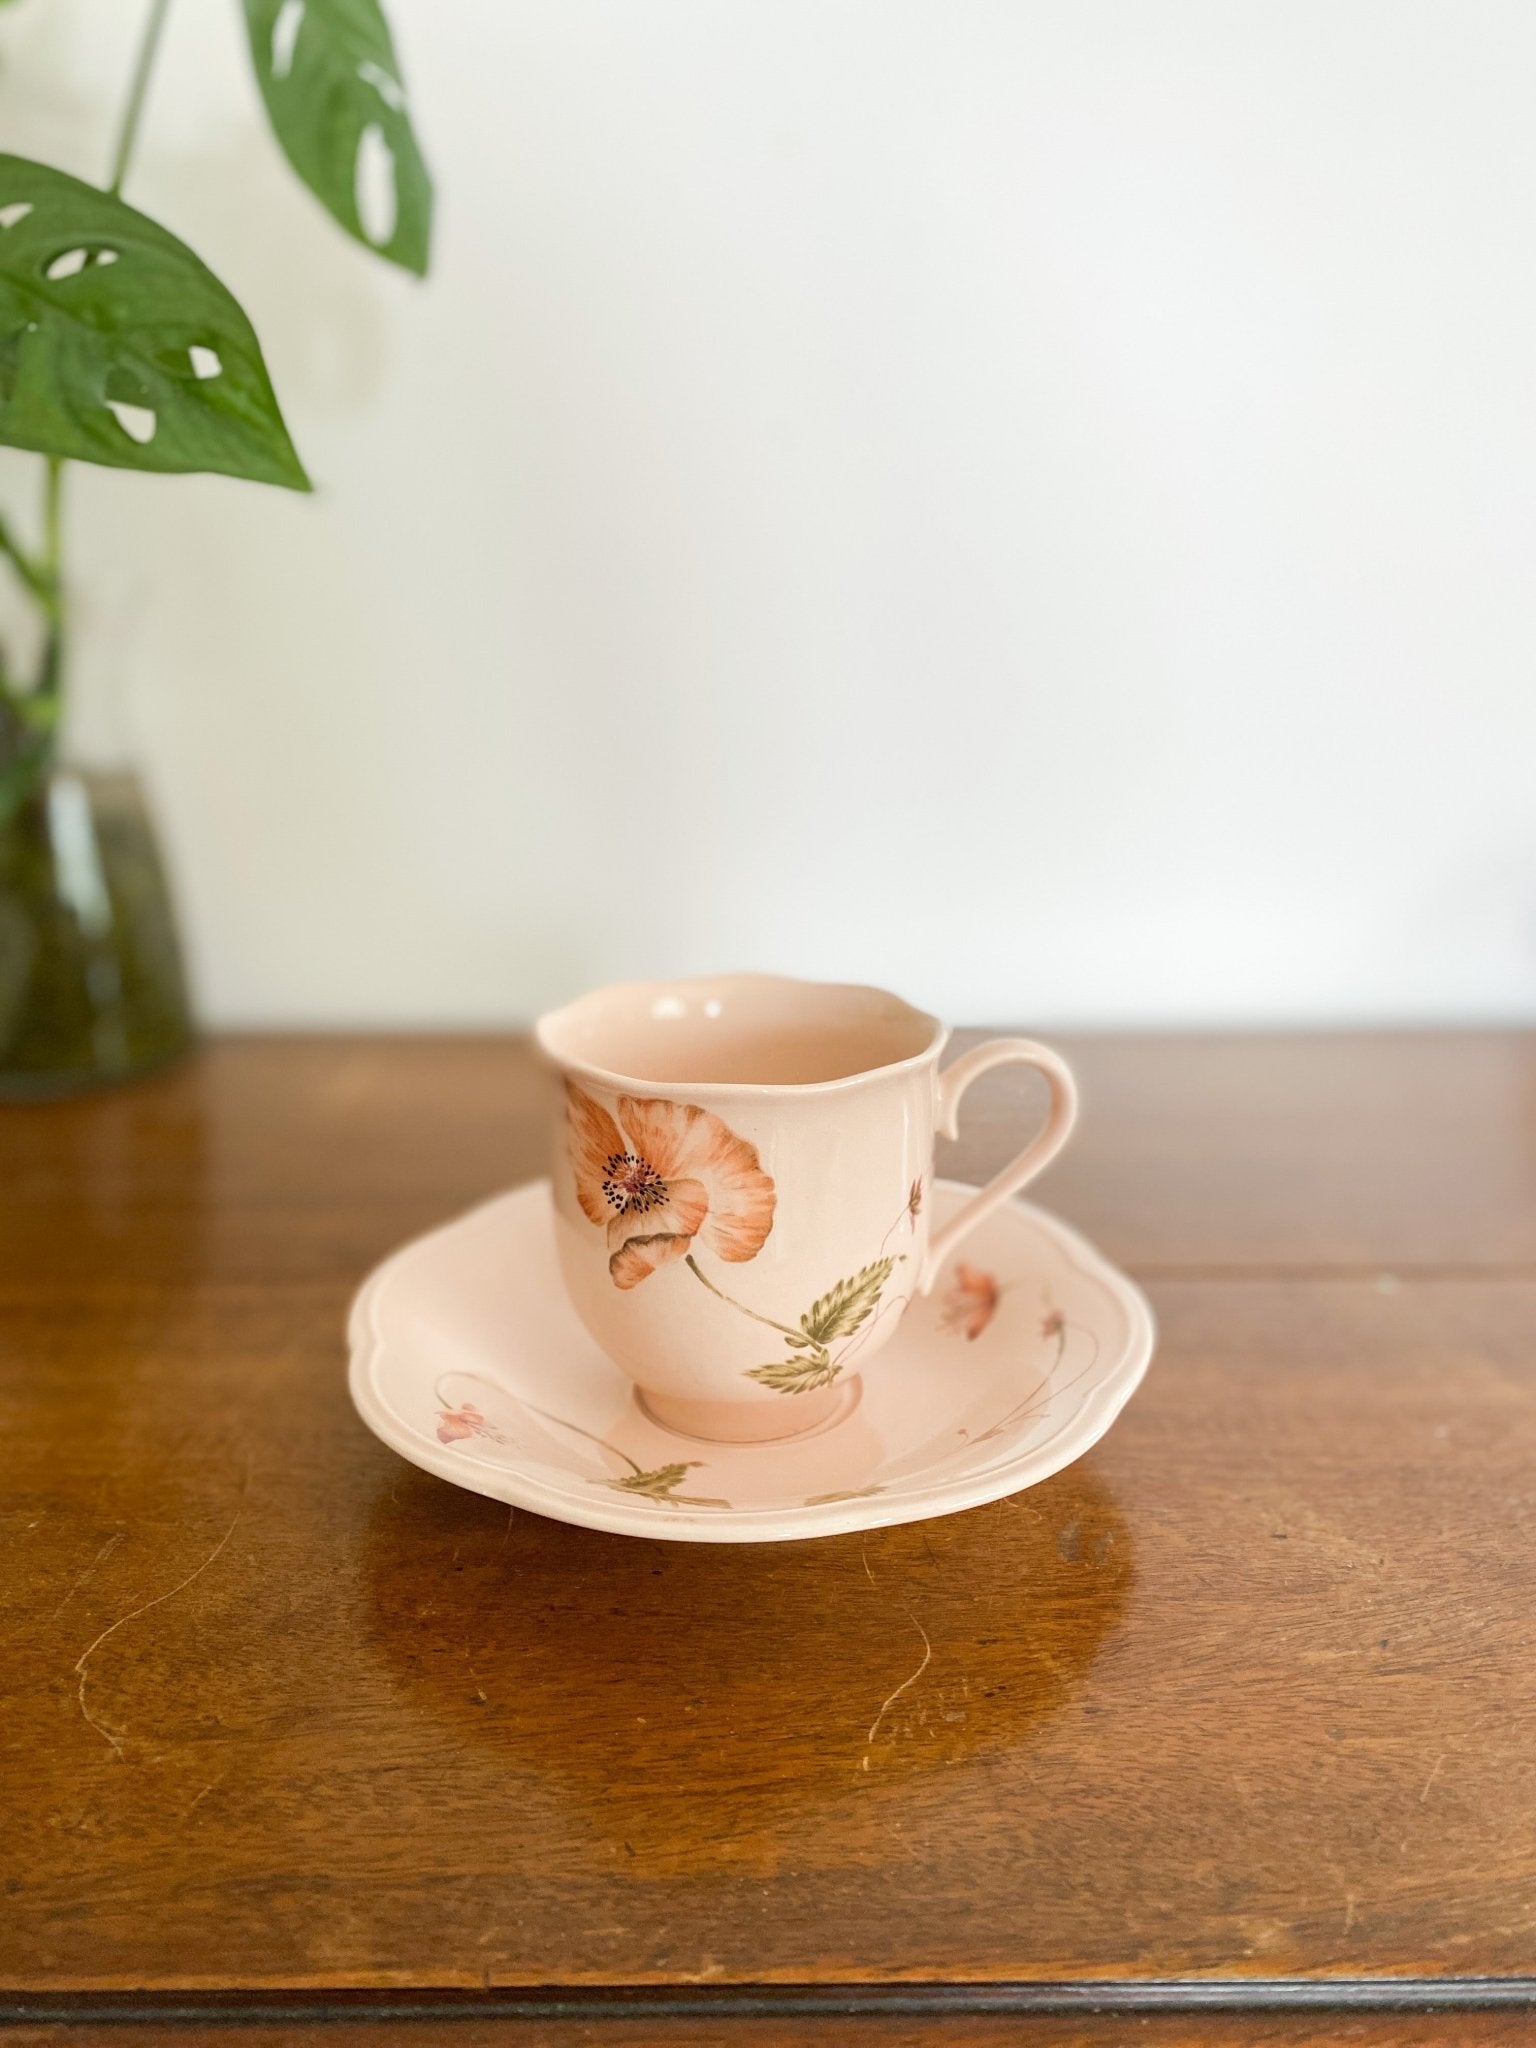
[601,1441]
[659,1485]
[784,1329]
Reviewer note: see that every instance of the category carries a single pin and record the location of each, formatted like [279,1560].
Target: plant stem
[127,134]
[51,566]
[30,722]
[29,715]
[26,564]
[52,559]
[783,1328]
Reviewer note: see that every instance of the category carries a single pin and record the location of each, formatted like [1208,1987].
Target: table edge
[931,1998]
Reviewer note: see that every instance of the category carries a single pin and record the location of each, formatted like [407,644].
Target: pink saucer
[468,1360]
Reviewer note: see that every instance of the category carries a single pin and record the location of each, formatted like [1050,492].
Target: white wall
[1032,501]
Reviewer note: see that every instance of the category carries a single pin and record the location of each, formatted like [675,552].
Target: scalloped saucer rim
[449,1343]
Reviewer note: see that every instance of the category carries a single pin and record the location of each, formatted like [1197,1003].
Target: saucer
[468,1359]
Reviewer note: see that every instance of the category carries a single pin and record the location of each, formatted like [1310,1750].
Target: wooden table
[1237,1713]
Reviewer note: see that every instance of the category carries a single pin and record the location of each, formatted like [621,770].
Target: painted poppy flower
[970,1302]
[661,1175]
[454,1424]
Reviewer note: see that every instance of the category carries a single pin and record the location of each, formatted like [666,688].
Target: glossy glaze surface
[468,1360]
[739,1170]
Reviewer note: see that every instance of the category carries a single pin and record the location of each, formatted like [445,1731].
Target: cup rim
[547,1026]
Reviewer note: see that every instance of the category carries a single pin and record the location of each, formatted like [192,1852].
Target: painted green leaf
[840,1311]
[337,104]
[796,1375]
[657,1484]
[119,346]
[662,1485]
[662,1480]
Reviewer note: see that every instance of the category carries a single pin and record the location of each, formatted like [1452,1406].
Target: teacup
[742,1171]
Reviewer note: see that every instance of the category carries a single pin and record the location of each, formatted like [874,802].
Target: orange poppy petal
[689,1145]
[678,1216]
[971,1300]
[642,1255]
[658,1130]
[593,1138]
[740,1219]
[741,1195]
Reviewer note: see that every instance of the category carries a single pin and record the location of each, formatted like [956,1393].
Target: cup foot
[752,1422]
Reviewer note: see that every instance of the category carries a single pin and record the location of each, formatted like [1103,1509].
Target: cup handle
[1037,1154]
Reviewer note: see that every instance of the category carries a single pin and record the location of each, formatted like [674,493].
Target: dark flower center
[630,1182]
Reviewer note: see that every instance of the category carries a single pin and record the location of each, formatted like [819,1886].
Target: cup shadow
[762,1683]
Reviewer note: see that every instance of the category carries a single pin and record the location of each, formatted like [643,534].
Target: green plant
[119,346]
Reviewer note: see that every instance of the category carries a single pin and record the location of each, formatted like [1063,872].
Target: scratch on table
[89,1572]
[218,1781]
[1349,1911]
[83,1660]
[1434,1773]
[707,1973]
[886,1705]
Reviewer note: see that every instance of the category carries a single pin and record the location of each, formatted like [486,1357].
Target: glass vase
[91,981]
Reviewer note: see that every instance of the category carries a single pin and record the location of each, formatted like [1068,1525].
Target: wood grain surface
[1249,1693]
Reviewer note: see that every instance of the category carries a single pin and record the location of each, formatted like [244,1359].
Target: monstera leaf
[117,345]
[328,74]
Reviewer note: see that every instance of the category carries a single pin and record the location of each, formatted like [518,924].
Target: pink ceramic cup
[742,1169]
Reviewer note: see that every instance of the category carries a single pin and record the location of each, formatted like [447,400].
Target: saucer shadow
[762,1683]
